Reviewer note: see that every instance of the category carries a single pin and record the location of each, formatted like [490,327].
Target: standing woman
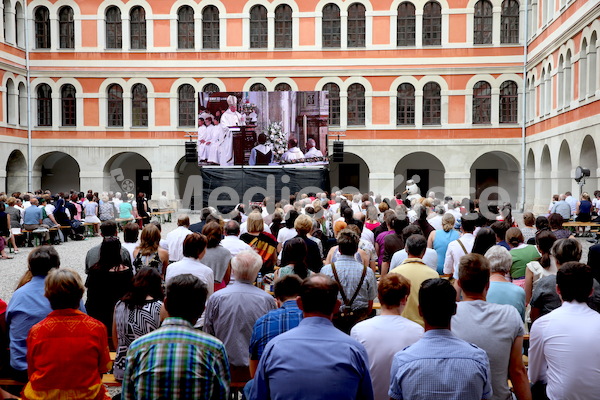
[108,280]
[216,257]
[91,212]
[440,238]
[67,352]
[15,221]
[4,231]
[136,314]
[149,253]
[521,253]
[142,208]
[126,210]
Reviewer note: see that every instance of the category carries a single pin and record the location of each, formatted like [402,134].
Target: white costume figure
[293,152]
[311,150]
[225,144]
[231,117]
[413,190]
[202,137]
[212,142]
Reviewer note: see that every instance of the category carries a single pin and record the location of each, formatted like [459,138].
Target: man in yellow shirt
[415,270]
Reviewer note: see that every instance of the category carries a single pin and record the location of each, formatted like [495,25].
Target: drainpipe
[29,151]
[524,111]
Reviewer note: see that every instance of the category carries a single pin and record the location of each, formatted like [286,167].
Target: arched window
[20,25]
[568,79]
[139,105]
[432,104]
[283,87]
[356,104]
[210,88]
[509,23]
[482,103]
[356,25]
[185,27]
[283,27]
[533,98]
[509,102]
[44,105]
[138,27]
[22,104]
[10,106]
[482,27]
[259,30]
[67,98]
[583,84]
[405,108]
[548,98]
[8,23]
[210,27]
[432,24]
[66,28]
[331,26]
[258,87]
[406,33]
[114,28]
[42,28]
[186,96]
[115,105]
[561,82]
[334,103]
[542,85]
[592,64]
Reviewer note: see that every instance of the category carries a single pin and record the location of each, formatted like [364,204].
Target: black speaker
[338,151]
[190,152]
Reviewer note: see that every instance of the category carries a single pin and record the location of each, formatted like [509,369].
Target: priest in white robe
[293,152]
[201,138]
[231,119]
[311,149]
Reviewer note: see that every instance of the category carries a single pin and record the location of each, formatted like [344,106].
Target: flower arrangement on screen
[277,139]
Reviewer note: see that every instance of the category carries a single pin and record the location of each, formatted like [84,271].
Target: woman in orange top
[67,352]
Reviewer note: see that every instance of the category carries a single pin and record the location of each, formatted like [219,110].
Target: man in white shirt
[571,201]
[231,241]
[176,237]
[293,152]
[495,328]
[288,231]
[460,247]
[194,247]
[563,350]
[311,149]
[376,333]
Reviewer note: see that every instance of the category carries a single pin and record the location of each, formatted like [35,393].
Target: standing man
[275,322]
[496,328]
[416,271]
[440,366]
[358,286]
[230,119]
[375,333]
[232,312]
[460,247]
[177,361]
[563,350]
[176,237]
[232,241]
[314,360]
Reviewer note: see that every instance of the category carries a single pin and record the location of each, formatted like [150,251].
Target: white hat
[204,115]
[232,100]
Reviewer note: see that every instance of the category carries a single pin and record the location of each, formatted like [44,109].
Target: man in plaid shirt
[177,361]
[277,321]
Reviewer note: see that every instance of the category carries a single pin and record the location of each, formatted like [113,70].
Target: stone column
[457,184]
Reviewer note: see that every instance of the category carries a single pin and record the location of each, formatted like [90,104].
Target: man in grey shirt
[107,229]
[231,312]
[496,328]
[562,207]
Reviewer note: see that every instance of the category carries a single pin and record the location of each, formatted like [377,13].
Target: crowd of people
[317,296]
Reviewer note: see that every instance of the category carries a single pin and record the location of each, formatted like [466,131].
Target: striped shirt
[176,362]
[440,366]
[272,324]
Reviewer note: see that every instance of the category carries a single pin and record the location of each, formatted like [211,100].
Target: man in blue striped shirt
[440,366]
[277,321]
[177,361]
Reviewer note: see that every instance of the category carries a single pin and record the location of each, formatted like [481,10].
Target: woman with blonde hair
[262,242]
[441,238]
[149,253]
